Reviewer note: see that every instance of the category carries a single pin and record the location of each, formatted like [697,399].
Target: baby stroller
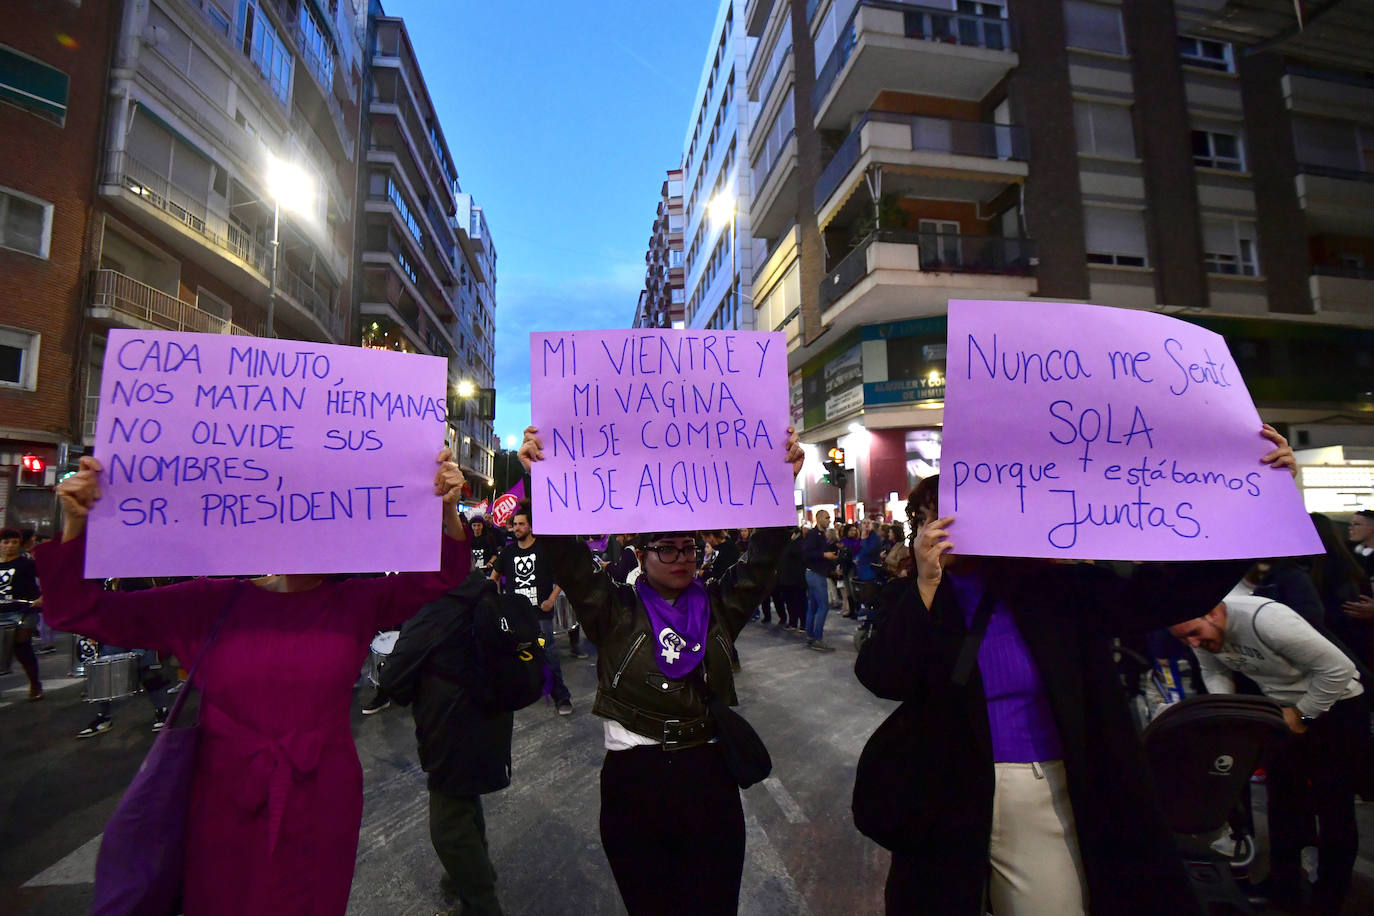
[1202,751]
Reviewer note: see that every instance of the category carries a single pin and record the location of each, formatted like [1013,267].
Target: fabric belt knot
[270,764]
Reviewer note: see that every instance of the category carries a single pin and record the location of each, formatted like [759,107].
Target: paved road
[804,856]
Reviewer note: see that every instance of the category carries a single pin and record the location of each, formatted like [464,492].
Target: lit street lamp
[724,207]
[290,186]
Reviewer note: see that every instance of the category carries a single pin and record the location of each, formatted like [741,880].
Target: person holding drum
[276,798]
[20,599]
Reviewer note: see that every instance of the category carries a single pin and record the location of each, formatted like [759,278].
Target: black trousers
[459,833]
[1315,773]
[673,830]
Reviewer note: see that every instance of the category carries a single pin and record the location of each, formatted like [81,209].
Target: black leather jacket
[631,689]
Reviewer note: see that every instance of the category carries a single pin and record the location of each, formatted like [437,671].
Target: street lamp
[466,389]
[290,186]
[722,207]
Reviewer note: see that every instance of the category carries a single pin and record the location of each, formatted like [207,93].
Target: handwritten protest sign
[227,455]
[1091,432]
[648,430]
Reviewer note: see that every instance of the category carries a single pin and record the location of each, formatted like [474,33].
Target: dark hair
[926,494]
[645,538]
[522,508]
[1338,564]
[1366,513]
[8,533]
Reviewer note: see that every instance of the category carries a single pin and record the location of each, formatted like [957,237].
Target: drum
[112,676]
[8,629]
[381,647]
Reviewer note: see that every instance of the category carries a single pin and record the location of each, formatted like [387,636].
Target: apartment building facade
[903,154]
[662,300]
[717,240]
[183,107]
[427,264]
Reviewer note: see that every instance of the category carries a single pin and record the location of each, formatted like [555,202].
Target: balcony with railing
[145,187]
[310,300]
[117,298]
[1342,288]
[904,47]
[925,157]
[894,273]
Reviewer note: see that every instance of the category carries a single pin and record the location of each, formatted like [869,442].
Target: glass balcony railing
[921,22]
[936,252]
[938,135]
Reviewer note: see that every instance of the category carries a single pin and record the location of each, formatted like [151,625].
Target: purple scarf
[679,629]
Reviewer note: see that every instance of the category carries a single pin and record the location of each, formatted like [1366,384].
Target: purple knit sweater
[1019,714]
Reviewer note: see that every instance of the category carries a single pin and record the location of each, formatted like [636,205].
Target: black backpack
[507,670]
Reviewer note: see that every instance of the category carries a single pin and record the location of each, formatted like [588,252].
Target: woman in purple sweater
[277,793]
[1028,787]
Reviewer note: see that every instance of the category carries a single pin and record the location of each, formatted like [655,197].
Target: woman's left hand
[795,456]
[1281,457]
[448,480]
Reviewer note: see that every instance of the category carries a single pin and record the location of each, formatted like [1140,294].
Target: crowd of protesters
[1029,766]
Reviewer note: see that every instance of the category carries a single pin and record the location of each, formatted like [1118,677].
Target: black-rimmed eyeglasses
[669,553]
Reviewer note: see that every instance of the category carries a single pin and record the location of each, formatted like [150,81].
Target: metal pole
[272,270]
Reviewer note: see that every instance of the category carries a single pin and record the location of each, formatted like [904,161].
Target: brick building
[54,59]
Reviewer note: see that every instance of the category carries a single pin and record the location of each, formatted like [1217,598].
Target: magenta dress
[278,792]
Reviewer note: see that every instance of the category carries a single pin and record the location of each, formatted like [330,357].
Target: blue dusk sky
[563,119]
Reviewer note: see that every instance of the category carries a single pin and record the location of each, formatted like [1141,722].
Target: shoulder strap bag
[745,753]
[140,869]
[894,778]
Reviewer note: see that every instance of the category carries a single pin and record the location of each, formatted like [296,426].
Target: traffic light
[834,470]
[31,469]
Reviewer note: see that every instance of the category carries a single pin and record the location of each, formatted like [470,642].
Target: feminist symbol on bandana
[672,644]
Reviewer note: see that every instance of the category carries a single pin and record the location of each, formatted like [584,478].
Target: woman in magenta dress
[277,795]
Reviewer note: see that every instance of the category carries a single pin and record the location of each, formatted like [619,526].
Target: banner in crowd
[646,430]
[228,455]
[507,503]
[1081,431]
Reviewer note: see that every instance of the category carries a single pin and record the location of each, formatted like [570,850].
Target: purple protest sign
[649,430]
[1089,432]
[228,455]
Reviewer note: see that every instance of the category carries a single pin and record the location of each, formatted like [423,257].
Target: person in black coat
[464,749]
[1032,788]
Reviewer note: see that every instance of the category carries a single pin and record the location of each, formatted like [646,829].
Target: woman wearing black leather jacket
[671,821]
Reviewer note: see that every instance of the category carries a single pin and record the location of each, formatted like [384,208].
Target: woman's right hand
[78,494]
[531,450]
[930,545]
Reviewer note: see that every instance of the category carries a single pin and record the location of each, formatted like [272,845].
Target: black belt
[672,734]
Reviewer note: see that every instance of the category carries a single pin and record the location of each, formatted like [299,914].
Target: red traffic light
[32,463]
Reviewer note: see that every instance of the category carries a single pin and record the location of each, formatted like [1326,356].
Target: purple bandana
[679,629]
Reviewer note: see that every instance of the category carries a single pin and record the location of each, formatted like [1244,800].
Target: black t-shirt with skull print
[18,582]
[527,571]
